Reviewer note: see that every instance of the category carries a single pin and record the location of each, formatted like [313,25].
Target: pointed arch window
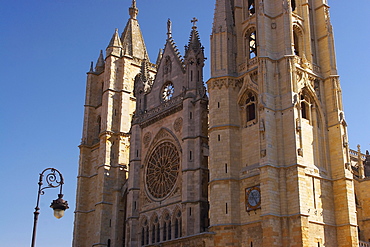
[167,227]
[145,233]
[178,232]
[305,106]
[251,44]
[250,106]
[293,5]
[296,43]
[155,230]
[251,7]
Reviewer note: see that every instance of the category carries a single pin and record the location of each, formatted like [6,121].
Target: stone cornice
[153,115]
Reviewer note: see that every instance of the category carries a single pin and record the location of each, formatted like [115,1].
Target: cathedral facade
[258,156]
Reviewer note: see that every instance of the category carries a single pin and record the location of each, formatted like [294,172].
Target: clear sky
[45,51]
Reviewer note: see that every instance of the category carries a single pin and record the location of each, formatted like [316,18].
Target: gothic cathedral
[257,157]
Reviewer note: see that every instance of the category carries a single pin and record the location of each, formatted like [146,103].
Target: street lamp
[53,179]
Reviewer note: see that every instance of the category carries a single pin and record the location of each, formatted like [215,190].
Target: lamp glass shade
[58,213]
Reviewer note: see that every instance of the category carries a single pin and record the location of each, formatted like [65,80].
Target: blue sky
[45,51]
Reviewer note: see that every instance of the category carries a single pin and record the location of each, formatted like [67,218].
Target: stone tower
[168,174]
[104,151]
[279,158]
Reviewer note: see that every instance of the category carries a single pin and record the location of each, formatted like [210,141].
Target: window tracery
[305,106]
[162,170]
[250,106]
[167,65]
[178,231]
[251,7]
[145,233]
[167,91]
[167,227]
[251,44]
[155,230]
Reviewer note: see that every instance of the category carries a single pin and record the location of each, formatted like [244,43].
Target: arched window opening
[153,234]
[304,110]
[98,122]
[155,230]
[164,231]
[293,5]
[250,106]
[100,94]
[178,225]
[252,44]
[251,7]
[167,228]
[296,43]
[305,107]
[142,236]
[145,233]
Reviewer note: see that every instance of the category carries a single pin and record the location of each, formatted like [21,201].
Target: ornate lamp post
[53,179]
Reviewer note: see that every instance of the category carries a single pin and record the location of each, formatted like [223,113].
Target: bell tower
[104,150]
[279,155]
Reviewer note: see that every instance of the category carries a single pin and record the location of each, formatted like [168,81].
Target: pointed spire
[132,39]
[194,41]
[115,45]
[159,57]
[91,67]
[224,29]
[115,41]
[224,16]
[100,64]
[133,11]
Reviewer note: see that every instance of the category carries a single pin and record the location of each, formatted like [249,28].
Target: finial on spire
[133,11]
[91,66]
[194,21]
[169,28]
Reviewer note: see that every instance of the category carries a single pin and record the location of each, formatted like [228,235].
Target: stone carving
[225,83]
[177,125]
[147,138]
[167,65]
[162,134]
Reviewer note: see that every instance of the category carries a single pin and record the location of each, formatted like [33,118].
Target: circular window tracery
[168,91]
[162,170]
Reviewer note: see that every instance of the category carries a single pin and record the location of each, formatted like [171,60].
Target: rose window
[168,91]
[162,170]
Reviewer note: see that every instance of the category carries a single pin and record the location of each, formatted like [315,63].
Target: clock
[167,91]
[253,198]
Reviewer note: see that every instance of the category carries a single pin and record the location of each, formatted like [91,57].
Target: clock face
[253,198]
[162,170]
[167,91]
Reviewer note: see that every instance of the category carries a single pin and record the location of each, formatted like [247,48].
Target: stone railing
[364,244]
[354,154]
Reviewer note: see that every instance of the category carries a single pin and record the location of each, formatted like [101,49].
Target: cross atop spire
[194,21]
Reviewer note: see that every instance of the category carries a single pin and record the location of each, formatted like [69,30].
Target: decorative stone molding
[147,138]
[225,82]
[165,109]
[177,125]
